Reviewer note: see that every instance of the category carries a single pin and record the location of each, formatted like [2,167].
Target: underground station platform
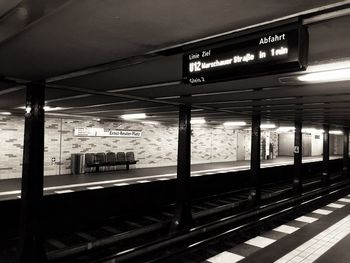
[174,131]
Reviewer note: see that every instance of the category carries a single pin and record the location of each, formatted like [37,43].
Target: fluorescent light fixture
[321,73]
[46,108]
[5,113]
[133,116]
[326,76]
[329,66]
[285,129]
[312,130]
[336,132]
[198,121]
[150,122]
[267,126]
[49,108]
[308,130]
[318,131]
[235,123]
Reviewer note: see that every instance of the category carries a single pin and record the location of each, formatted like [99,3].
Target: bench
[110,159]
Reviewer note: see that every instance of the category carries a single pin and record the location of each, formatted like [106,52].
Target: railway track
[125,233]
[117,237]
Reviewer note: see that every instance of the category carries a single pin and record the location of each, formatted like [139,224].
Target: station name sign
[283,49]
[103,132]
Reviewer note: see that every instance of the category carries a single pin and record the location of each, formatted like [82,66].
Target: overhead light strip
[326,76]
[134,116]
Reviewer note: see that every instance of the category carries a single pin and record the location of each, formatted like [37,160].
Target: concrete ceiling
[112,47]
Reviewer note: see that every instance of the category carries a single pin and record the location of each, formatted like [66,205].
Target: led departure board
[279,50]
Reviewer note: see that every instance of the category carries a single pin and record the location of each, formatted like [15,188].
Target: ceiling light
[46,108]
[326,76]
[150,122]
[5,113]
[312,130]
[49,108]
[268,126]
[319,131]
[235,123]
[133,116]
[285,129]
[327,72]
[329,66]
[198,121]
[336,132]
[308,130]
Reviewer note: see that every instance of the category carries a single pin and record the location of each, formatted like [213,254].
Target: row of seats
[96,160]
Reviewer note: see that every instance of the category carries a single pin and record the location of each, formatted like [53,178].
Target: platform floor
[320,236]
[61,184]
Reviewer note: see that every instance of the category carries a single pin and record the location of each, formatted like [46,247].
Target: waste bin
[77,163]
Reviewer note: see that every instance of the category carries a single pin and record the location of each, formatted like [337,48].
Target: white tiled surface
[310,250]
[322,211]
[302,253]
[317,246]
[334,205]
[306,219]
[286,229]
[260,241]
[225,257]
[345,200]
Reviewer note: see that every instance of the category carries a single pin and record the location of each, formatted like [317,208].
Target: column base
[254,197]
[182,219]
[345,172]
[325,178]
[297,186]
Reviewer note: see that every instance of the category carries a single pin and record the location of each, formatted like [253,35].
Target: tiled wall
[213,145]
[156,147]
[224,145]
[11,141]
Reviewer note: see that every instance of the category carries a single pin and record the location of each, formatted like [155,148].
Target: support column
[255,193]
[298,155]
[325,166]
[30,230]
[183,215]
[346,152]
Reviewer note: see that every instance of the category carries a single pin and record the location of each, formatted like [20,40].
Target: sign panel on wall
[281,49]
[103,132]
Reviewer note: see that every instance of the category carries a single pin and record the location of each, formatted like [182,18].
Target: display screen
[280,50]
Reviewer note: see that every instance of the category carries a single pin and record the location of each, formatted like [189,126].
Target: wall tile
[156,147]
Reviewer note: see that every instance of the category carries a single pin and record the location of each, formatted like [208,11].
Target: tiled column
[30,231]
[325,170]
[183,215]
[298,155]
